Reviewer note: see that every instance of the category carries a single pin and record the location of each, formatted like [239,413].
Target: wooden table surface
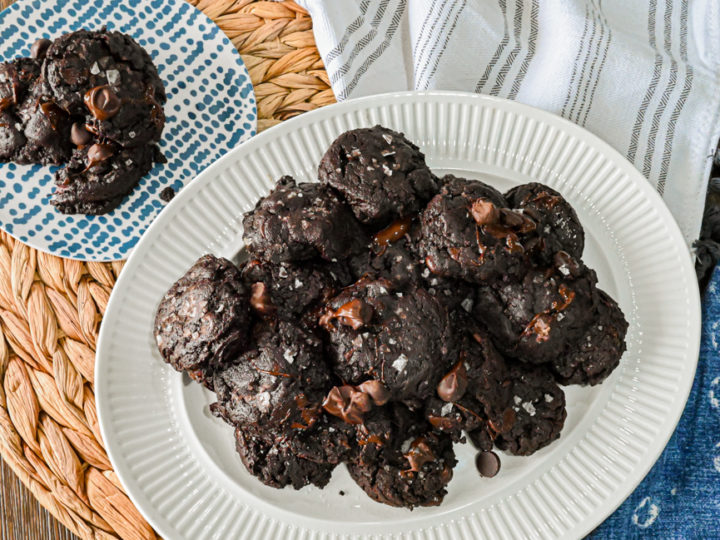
[21,516]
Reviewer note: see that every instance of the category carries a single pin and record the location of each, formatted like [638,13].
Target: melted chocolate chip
[513,244]
[487,463]
[376,390]
[497,231]
[102,102]
[347,403]
[506,423]
[98,153]
[484,212]
[53,113]
[260,299]
[546,199]
[567,296]
[392,233]
[354,314]
[79,135]
[442,422]
[309,413]
[39,48]
[511,219]
[453,385]
[419,454]
[6,102]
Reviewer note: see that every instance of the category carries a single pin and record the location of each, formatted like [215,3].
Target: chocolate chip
[102,102]
[487,463]
[513,244]
[497,231]
[510,218]
[39,48]
[53,113]
[506,423]
[98,153]
[347,403]
[419,454]
[79,135]
[567,296]
[453,385]
[442,422]
[547,200]
[260,299]
[484,212]
[376,390]
[517,221]
[309,412]
[167,194]
[354,314]
[392,233]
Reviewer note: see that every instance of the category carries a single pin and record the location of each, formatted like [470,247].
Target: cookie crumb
[167,194]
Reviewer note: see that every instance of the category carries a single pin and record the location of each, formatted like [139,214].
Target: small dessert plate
[178,463]
[210,110]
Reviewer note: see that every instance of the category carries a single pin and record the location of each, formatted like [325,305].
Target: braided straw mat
[51,308]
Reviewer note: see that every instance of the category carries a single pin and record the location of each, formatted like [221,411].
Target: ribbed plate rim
[398,99]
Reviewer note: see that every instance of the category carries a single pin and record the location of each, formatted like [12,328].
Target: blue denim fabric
[680,496]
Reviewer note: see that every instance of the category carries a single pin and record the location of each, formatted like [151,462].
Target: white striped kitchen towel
[644,75]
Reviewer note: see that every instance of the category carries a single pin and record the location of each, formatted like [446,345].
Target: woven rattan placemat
[51,308]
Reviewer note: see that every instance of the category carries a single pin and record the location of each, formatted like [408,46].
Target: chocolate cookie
[408,471]
[12,137]
[402,339]
[462,395]
[278,384]
[297,222]
[111,81]
[328,440]
[45,128]
[598,351]
[99,176]
[534,415]
[389,425]
[276,465]
[381,174]
[469,233]
[203,320]
[288,290]
[455,418]
[557,221]
[456,294]
[389,257]
[16,77]
[537,318]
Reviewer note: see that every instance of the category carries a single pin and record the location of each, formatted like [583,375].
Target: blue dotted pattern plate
[210,109]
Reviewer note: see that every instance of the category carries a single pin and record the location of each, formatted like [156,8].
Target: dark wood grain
[21,516]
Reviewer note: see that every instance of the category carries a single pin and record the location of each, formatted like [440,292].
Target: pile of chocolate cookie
[385,314]
[90,100]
